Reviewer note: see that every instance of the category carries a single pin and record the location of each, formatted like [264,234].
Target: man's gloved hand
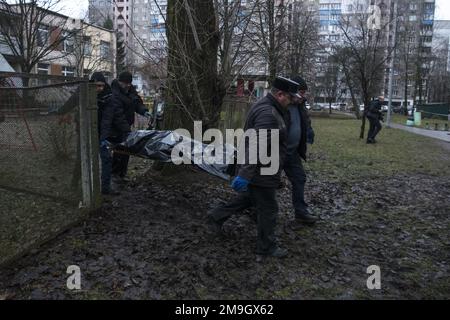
[310,136]
[104,143]
[148,115]
[240,184]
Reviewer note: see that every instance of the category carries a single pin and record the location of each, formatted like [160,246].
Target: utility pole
[391,66]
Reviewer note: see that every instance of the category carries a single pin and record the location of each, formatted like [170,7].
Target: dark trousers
[265,202]
[375,128]
[297,176]
[120,164]
[106,160]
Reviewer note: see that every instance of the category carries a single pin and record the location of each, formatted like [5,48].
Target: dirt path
[151,243]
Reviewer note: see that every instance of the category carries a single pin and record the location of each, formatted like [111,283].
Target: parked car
[316,107]
[335,107]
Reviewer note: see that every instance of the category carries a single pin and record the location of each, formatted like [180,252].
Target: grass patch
[401,119]
[339,153]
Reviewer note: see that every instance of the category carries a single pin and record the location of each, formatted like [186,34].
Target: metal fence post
[94,146]
[85,156]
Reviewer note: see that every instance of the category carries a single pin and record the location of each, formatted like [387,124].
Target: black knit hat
[301,82]
[286,85]
[126,77]
[98,77]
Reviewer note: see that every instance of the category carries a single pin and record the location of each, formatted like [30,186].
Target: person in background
[374,115]
[126,99]
[112,127]
[300,133]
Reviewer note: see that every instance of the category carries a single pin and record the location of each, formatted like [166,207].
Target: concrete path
[441,135]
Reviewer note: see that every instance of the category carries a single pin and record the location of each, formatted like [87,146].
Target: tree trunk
[193,89]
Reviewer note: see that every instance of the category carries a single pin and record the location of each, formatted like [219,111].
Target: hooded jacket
[129,102]
[111,120]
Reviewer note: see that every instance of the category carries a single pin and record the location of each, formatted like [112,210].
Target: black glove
[310,136]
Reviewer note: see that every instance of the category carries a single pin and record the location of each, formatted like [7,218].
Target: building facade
[140,25]
[85,49]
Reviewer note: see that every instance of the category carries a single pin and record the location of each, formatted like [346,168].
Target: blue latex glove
[240,184]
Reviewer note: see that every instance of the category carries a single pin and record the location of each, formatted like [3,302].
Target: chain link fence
[49,170]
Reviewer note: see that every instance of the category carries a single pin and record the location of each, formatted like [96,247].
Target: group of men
[283,109]
[117,105]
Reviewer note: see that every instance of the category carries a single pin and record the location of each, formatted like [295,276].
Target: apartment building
[86,48]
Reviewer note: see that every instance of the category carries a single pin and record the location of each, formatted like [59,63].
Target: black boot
[306,219]
[215,226]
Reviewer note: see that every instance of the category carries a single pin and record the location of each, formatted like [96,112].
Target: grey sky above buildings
[78,9]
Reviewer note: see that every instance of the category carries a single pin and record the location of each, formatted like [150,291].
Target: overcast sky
[78,8]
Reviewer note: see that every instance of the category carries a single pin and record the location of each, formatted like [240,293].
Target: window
[68,71]
[43,68]
[68,43]
[412,18]
[87,46]
[105,49]
[42,36]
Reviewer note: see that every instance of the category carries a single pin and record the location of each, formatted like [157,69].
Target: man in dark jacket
[112,126]
[256,189]
[374,115]
[126,99]
[299,129]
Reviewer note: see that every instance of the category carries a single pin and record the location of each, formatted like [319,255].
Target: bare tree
[439,82]
[331,81]
[235,50]
[193,38]
[268,33]
[406,49]
[303,39]
[368,53]
[33,31]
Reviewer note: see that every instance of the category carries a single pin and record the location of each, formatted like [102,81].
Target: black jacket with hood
[129,102]
[112,124]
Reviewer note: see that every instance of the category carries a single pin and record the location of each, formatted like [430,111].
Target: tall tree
[269,34]
[108,24]
[368,52]
[193,40]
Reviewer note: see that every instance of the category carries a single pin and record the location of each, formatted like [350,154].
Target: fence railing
[49,170]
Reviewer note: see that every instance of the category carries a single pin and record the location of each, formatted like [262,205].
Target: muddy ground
[151,242]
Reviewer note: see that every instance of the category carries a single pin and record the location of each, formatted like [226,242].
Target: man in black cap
[125,98]
[256,189]
[300,132]
[112,126]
